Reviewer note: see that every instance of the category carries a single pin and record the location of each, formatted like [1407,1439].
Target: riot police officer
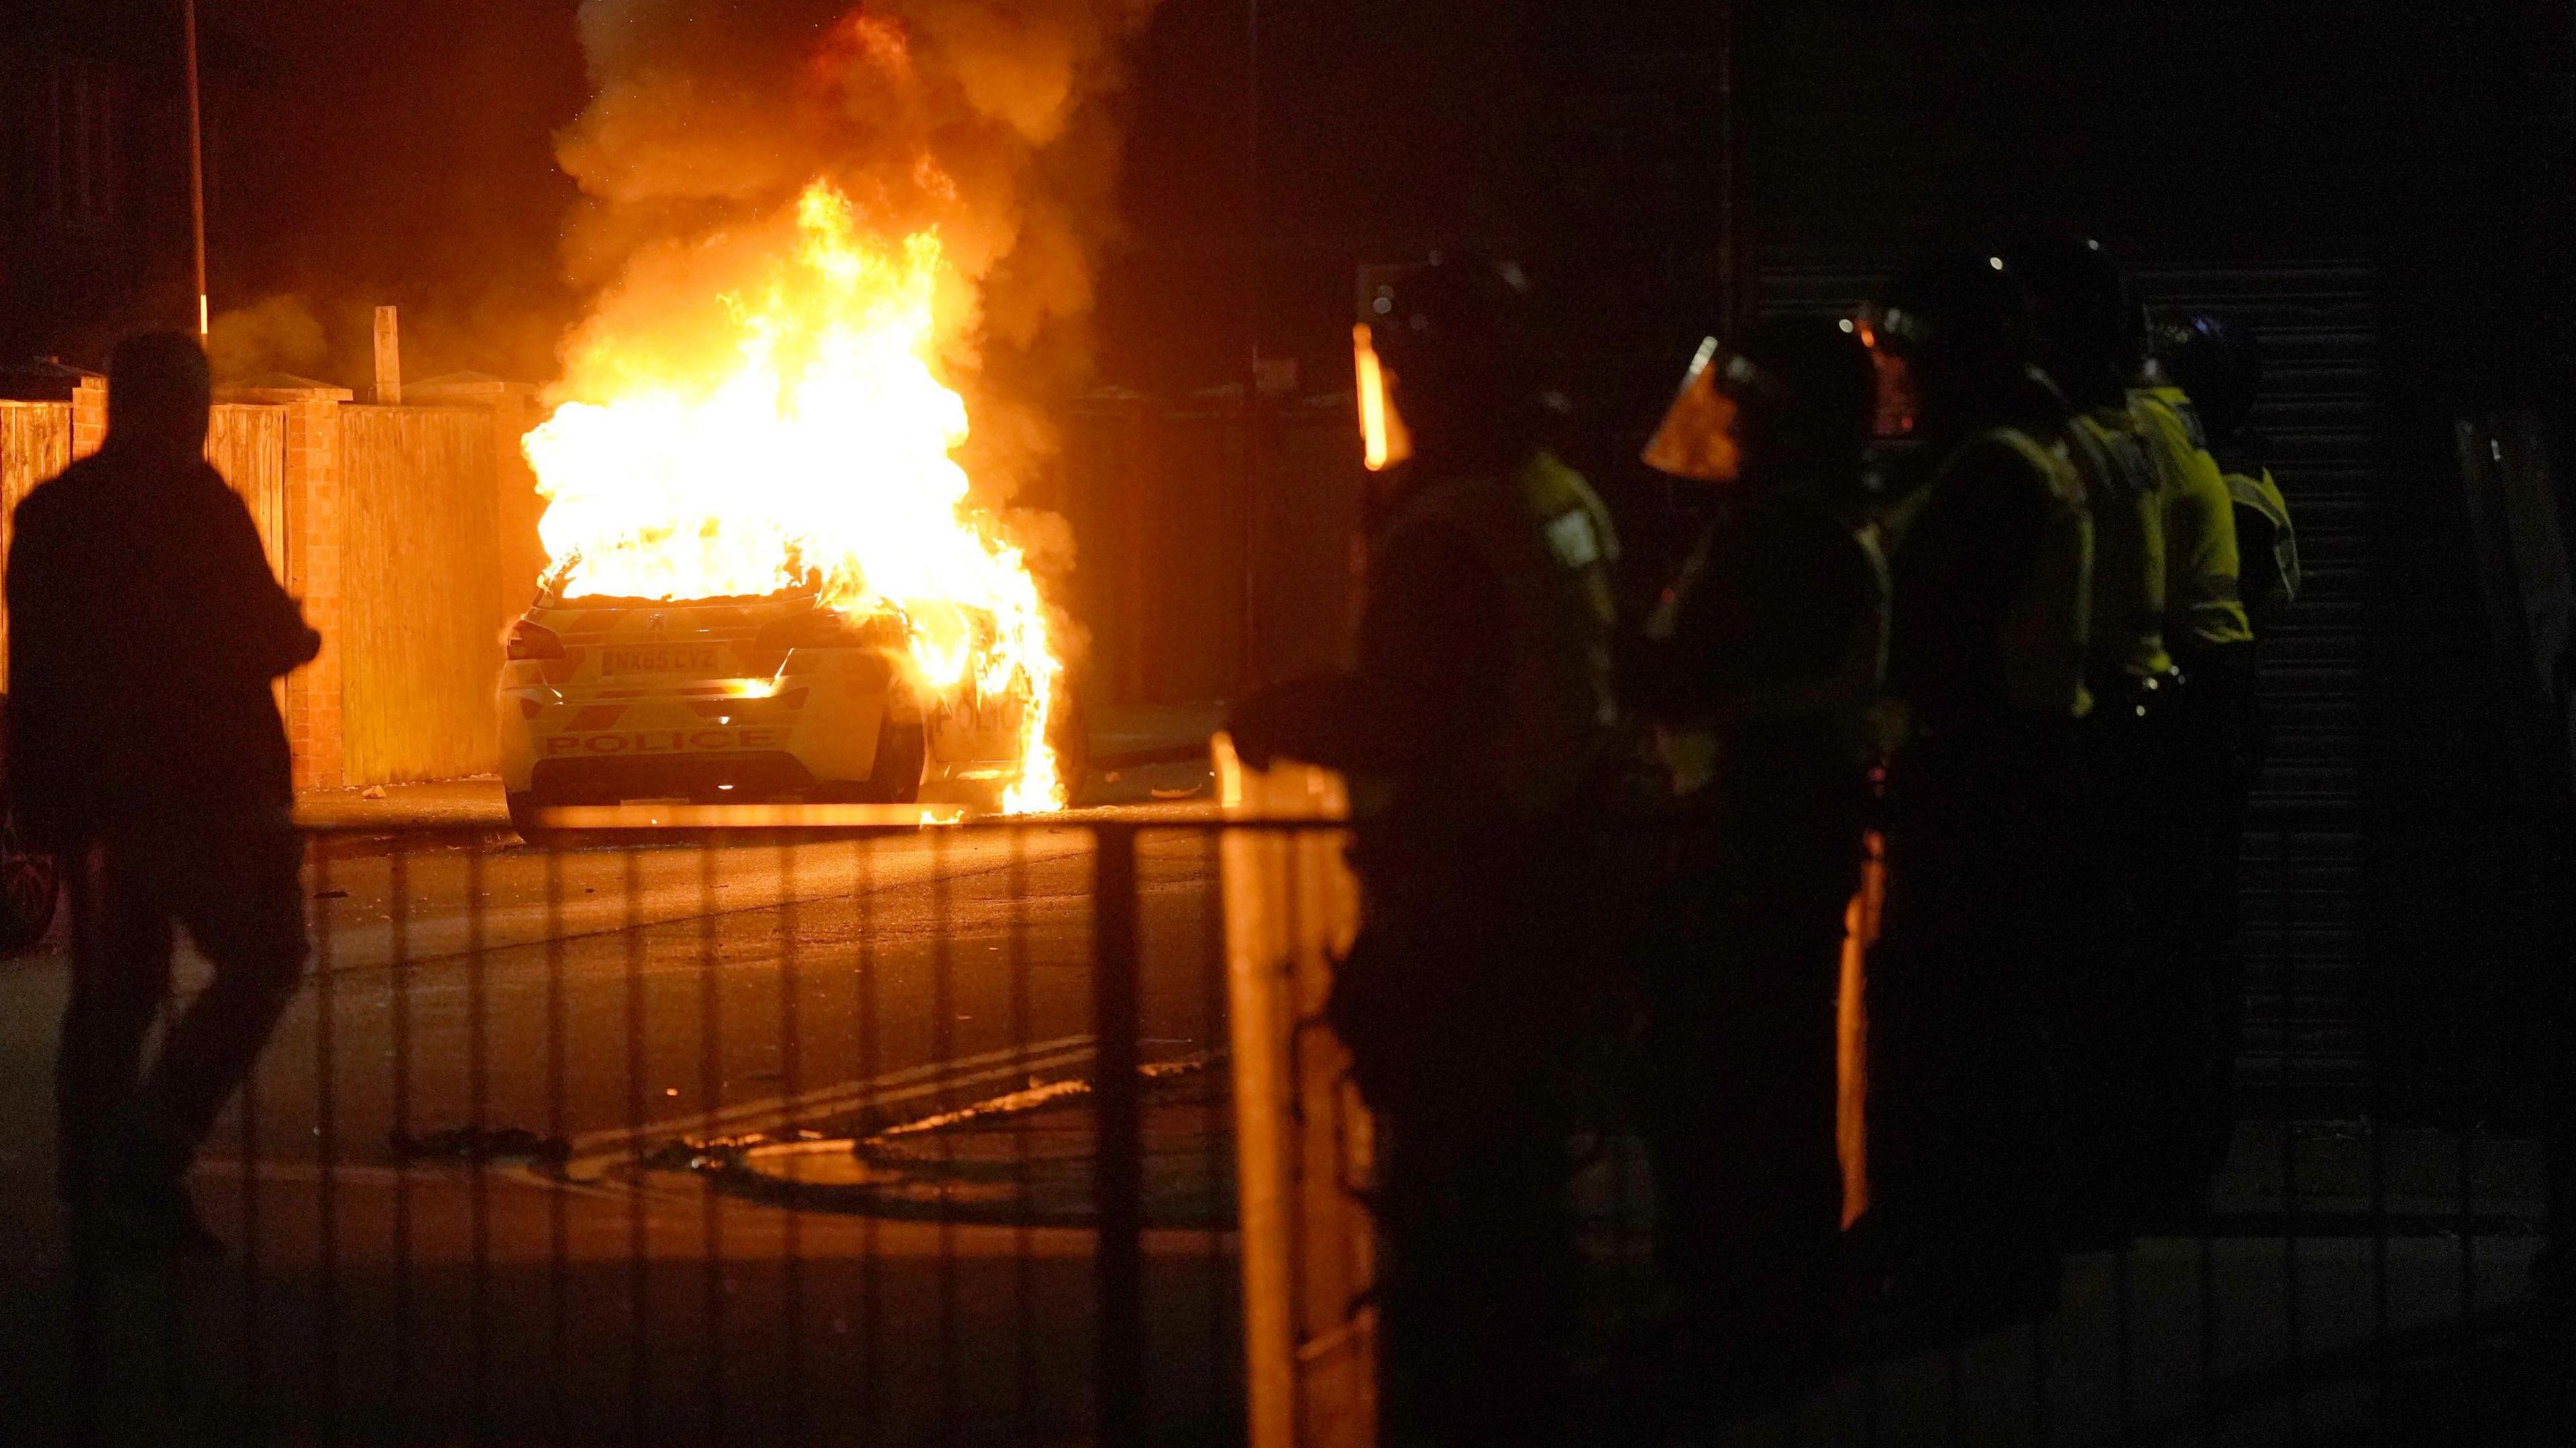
[1991,565]
[2212,640]
[1760,671]
[2215,368]
[2090,339]
[1478,717]
[2208,373]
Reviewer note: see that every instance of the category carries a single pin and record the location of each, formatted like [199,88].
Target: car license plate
[664,659]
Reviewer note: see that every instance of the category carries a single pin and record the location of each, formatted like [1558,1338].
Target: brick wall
[89,416]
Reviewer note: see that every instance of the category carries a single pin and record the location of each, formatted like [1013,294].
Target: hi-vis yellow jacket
[2126,492]
[2204,606]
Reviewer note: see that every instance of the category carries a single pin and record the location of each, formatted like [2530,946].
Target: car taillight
[534,641]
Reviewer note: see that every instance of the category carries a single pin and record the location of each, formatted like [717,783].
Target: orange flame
[816,451]
[1383,440]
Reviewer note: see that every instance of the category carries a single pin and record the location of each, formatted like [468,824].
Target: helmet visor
[1697,436]
[1384,442]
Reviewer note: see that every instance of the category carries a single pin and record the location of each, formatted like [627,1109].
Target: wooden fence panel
[35,444]
[420,568]
[247,445]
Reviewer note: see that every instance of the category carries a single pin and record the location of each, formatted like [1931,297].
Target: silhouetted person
[1985,913]
[144,630]
[1473,729]
[2116,1018]
[1759,671]
[2215,369]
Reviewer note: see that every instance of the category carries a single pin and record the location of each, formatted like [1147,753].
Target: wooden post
[388,358]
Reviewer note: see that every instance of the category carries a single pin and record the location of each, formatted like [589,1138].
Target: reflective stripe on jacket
[2266,592]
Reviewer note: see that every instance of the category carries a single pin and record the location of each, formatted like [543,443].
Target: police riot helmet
[1446,353]
[1952,335]
[1809,379]
[2088,331]
[2217,362]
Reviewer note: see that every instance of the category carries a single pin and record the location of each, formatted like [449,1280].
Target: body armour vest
[2122,486]
[2203,605]
[1548,540]
[2047,630]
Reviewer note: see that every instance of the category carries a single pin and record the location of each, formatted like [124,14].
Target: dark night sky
[401,150]
[402,153]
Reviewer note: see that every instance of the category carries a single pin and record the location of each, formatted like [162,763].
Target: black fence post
[1121,1264]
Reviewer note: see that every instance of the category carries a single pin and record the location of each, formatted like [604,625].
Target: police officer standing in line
[2089,335]
[2216,367]
[1991,558]
[1474,730]
[2208,372]
[2213,644]
[1759,671]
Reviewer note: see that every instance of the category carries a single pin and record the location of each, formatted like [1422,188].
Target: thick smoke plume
[992,120]
[277,333]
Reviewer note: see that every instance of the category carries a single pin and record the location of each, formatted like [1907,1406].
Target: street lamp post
[1247,634]
[196,163]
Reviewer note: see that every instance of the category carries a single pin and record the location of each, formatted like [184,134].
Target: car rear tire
[31,881]
[1069,735]
[523,817]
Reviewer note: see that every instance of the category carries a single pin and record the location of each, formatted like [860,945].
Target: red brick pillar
[89,416]
[50,379]
[313,538]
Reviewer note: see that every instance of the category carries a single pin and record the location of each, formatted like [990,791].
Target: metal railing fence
[929,1135]
[881,1135]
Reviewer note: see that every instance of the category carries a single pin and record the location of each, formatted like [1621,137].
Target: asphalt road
[617,1000]
[669,991]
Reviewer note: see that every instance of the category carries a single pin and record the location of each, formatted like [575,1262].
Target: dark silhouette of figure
[1988,879]
[144,630]
[2113,1019]
[1759,671]
[2216,369]
[1472,729]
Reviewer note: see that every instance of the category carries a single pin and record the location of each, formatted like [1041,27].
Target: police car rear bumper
[708,777]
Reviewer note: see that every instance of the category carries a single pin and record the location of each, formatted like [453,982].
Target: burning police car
[774,697]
